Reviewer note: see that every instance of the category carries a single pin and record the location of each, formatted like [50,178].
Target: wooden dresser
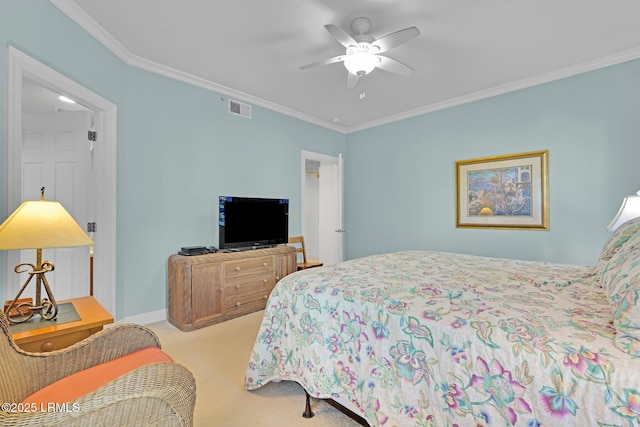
[211,288]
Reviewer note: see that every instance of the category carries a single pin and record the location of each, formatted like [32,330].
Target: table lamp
[629,209]
[38,225]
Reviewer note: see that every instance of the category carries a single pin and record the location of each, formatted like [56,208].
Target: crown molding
[618,58]
[73,11]
[84,20]
[87,23]
[174,74]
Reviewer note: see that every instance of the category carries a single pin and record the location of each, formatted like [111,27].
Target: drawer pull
[264,264]
[264,280]
[265,297]
[277,278]
[237,268]
[46,346]
[237,304]
[237,286]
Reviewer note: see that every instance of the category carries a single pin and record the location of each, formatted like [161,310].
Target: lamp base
[19,311]
[14,311]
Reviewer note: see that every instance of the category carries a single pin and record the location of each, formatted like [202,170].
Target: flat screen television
[252,223]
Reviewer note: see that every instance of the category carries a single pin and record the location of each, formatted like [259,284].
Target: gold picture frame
[509,191]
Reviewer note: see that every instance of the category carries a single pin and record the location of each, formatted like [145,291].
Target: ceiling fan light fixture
[361,63]
[362,51]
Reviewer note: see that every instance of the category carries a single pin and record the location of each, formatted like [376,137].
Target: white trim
[14,127]
[83,19]
[618,58]
[178,75]
[19,65]
[330,160]
[311,155]
[87,23]
[146,318]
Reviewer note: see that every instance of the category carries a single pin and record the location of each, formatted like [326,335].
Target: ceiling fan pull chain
[362,94]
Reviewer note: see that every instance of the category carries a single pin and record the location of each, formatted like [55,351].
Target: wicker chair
[157,394]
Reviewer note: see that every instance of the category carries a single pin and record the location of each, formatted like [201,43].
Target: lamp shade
[41,224]
[630,209]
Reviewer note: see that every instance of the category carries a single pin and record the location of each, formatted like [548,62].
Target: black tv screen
[251,223]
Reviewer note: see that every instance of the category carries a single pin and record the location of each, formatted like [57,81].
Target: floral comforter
[439,339]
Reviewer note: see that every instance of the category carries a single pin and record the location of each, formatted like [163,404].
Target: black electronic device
[197,250]
[252,223]
[193,249]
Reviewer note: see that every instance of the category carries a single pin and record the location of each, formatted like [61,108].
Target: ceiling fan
[363,51]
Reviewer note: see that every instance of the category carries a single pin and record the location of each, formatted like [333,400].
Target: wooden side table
[92,318]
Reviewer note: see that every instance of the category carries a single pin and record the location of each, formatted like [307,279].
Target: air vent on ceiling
[240,109]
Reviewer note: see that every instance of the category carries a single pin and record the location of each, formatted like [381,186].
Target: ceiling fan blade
[394,66]
[352,80]
[324,62]
[396,39]
[341,35]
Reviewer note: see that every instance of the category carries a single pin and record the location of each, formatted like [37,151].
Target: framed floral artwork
[509,191]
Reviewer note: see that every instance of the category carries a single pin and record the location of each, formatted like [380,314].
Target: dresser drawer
[256,280]
[248,266]
[249,283]
[240,301]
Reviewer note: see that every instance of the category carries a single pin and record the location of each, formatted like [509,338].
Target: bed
[423,339]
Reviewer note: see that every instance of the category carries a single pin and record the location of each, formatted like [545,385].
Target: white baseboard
[146,318]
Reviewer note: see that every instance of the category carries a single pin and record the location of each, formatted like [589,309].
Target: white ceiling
[252,50]
[38,99]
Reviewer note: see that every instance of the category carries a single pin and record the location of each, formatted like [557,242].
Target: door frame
[105,150]
[322,158]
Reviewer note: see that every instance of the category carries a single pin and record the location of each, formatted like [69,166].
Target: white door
[21,68]
[340,197]
[56,155]
[325,224]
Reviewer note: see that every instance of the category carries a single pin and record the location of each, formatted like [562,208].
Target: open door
[56,155]
[322,201]
[22,68]
[340,230]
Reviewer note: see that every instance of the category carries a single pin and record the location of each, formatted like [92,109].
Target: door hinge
[92,135]
[92,227]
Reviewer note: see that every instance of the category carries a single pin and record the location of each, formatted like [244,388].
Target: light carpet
[218,356]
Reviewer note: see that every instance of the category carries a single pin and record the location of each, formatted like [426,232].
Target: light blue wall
[400,178]
[178,149]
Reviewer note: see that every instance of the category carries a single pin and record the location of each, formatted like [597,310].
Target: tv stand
[212,288]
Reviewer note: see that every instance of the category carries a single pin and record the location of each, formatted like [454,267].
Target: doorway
[22,68]
[56,157]
[322,206]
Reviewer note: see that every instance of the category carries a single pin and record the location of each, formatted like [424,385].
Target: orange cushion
[84,382]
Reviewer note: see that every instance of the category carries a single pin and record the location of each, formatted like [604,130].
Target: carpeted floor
[217,356]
